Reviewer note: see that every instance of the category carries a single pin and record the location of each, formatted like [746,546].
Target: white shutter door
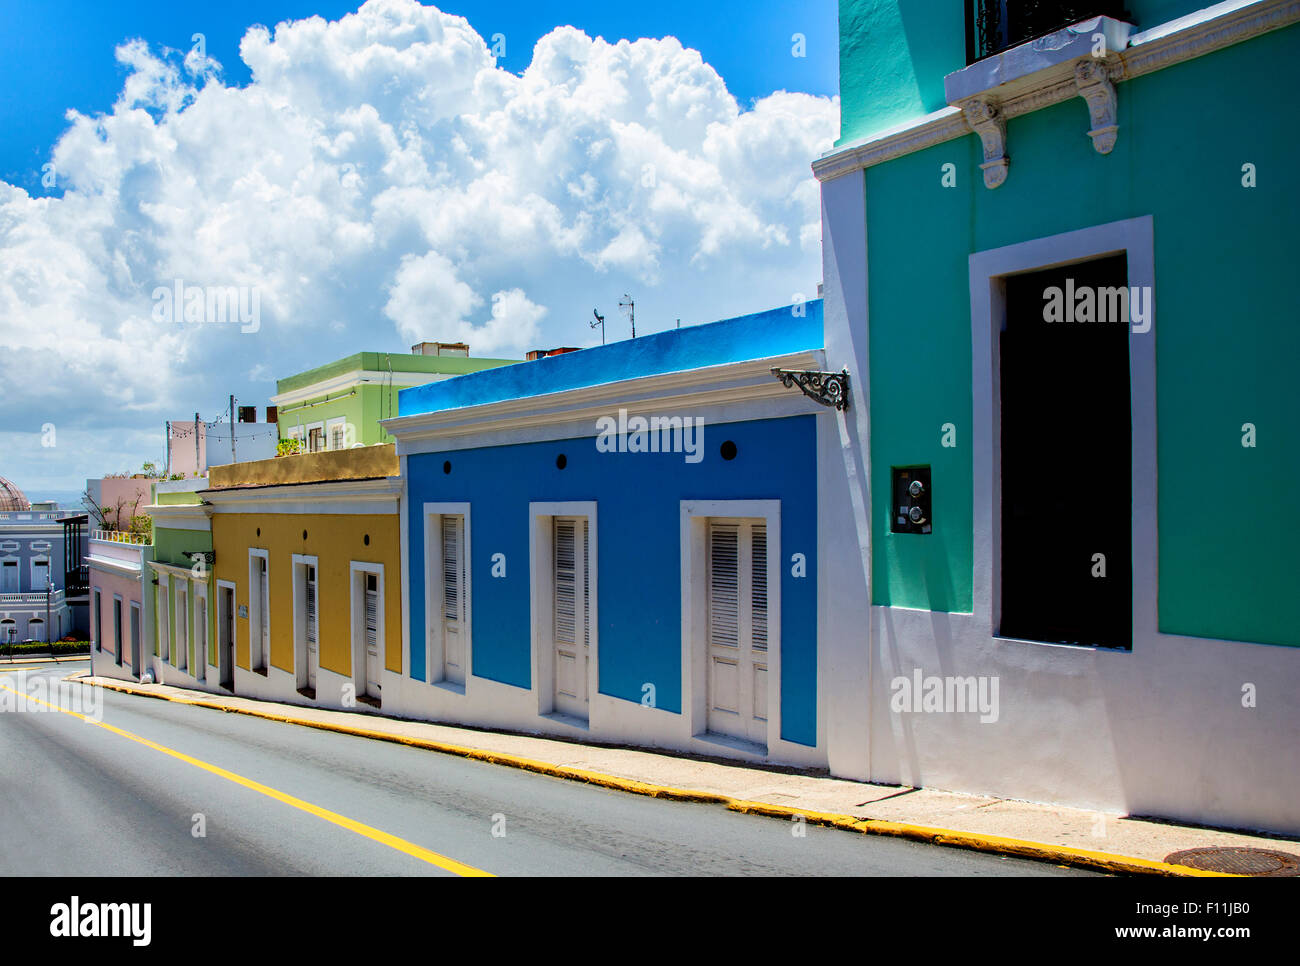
[453,597]
[724,627]
[311,605]
[571,613]
[737,628]
[758,627]
[565,587]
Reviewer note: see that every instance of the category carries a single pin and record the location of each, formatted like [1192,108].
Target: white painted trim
[404,553]
[357,592]
[163,601]
[181,643]
[541,577]
[988,270]
[694,518]
[733,383]
[145,656]
[434,652]
[355,379]
[1204,32]
[201,661]
[255,610]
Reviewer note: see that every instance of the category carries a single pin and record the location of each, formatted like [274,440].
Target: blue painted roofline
[774,332]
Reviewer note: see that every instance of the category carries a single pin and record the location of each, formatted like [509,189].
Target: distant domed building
[12,498]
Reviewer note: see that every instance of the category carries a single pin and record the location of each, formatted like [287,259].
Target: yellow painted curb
[1001,845]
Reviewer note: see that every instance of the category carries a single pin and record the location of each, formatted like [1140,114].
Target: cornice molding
[327,497]
[355,380]
[730,382]
[1172,43]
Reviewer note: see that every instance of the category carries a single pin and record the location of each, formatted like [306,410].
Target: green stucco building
[339,405]
[1057,241]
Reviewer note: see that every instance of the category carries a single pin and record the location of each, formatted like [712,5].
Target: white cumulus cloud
[380,181]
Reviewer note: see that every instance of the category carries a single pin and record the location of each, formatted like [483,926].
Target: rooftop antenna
[631,311]
[600,321]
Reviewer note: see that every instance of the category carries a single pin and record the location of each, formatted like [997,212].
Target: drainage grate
[1238,861]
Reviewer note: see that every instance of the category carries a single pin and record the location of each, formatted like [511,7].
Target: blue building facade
[620,542]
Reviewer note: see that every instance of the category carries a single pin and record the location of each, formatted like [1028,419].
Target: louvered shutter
[311,605]
[452,568]
[758,594]
[724,584]
[586,586]
[565,583]
[372,613]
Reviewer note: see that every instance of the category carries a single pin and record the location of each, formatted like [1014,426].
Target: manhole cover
[1238,861]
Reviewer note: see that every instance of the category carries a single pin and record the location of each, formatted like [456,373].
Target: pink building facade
[121,595]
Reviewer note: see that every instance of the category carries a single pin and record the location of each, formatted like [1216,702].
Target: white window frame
[357,569]
[338,422]
[320,424]
[435,663]
[39,588]
[301,562]
[255,611]
[18,573]
[694,523]
[138,610]
[541,550]
[121,617]
[1133,237]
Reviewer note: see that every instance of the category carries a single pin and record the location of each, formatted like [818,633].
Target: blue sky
[378,176]
[55,56]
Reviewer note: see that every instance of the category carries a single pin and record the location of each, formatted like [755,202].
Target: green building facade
[1109,504]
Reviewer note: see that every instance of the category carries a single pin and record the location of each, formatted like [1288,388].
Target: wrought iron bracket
[827,388]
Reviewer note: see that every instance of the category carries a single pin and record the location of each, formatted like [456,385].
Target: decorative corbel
[828,388]
[1094,80]
[985,119]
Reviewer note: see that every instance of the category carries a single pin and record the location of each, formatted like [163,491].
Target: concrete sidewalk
[1067,836]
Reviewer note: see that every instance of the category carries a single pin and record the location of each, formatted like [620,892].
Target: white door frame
[357,569]
[255,617]
[695,515]
[233,622]
[164,599]
[301,561]
[181,639]
[1134,237]
[541,550]
[435,662]
[200,669]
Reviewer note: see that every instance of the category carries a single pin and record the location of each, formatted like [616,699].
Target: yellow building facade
[307,576]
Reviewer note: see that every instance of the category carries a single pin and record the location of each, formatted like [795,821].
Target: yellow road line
[995,844]
[366,831]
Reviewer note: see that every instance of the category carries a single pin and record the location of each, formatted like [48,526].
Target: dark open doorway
[1066,464]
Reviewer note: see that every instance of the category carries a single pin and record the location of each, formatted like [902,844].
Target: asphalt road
[131,795]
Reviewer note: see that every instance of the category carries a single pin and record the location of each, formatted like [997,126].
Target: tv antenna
[631,311]
[600,321]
